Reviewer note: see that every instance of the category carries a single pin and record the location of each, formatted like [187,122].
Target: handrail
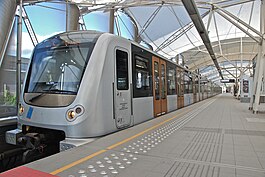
[6,121]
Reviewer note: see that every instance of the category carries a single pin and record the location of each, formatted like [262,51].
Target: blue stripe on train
[30,111]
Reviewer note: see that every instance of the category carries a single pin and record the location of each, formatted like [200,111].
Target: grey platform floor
[218,137]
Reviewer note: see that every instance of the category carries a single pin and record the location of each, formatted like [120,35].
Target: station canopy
[232,25]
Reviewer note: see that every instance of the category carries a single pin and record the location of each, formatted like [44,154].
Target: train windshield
[58,65]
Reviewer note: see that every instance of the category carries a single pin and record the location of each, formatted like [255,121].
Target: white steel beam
[230,73]
[238,20]
[238,26]
[193,12]
[216,29]
[29,27]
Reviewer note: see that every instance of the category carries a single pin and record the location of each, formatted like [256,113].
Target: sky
[48,19]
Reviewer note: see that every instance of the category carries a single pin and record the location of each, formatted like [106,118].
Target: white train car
[87,84]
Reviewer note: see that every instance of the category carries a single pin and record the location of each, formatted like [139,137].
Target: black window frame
[188,82]
[144,91]
[122,69]
[169,68]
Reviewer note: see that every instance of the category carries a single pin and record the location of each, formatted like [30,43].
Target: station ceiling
[233,28]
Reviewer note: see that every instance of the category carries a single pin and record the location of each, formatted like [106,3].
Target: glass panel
[196,84]
[8,72]
[92,19]
[47,27]
[171,81]
[60,68]
[157,80]
[190,84]
[180,83]
[58,64]
[8,78]
[186,83]
[122,70]
[163,82]
[125,25]
[142,73]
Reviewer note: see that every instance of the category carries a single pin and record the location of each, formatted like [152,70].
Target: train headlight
[71,115]
[74,112]
[21,109]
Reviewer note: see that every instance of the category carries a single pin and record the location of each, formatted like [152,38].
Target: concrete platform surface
[217,137]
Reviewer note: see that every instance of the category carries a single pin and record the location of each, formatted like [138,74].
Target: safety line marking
[117,144]
[77,162]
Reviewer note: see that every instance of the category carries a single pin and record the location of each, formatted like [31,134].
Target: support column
[199,85]
[260,63]
[72,17]
[7,14]
[19,51]
[254,87]
[111,21]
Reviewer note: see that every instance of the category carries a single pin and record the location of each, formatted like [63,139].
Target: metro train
[87,84]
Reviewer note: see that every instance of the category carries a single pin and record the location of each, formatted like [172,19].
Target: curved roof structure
[232,26]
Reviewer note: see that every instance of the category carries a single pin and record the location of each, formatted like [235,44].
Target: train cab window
[171,81]
[122,70]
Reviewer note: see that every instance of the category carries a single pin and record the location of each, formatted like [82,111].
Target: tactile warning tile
[107,164]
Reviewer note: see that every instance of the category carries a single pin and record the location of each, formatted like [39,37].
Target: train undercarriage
[30,144]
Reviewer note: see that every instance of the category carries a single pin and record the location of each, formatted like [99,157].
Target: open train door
[122,89]
[160,86]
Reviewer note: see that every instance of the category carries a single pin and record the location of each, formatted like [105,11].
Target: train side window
[142,77]
[156,75]
[142,74]
[180,81]
[187,83]
[190,84]
[196,84]
[171,81]
[122,70]
[163,81]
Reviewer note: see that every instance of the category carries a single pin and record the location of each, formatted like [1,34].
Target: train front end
[48,105]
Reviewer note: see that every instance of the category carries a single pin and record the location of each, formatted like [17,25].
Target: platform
[218,137]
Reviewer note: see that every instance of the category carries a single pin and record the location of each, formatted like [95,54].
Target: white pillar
[260,62]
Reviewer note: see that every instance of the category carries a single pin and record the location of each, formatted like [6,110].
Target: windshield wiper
[36,97]
[40,95]
[60,91]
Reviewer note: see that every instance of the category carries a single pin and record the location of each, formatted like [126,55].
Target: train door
[159,86]
[180,87]
[122,94]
